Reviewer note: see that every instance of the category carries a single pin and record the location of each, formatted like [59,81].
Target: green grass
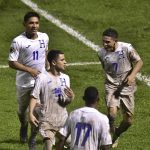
[130,18]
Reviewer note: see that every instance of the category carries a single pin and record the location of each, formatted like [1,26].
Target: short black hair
[91,95]
[31,14]
[111,32]
[53,54]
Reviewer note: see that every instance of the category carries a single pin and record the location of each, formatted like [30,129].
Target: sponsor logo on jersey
[28,46]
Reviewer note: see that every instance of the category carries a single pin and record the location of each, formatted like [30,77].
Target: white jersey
[118,63]
[89,129]
[47,89]
[30,53]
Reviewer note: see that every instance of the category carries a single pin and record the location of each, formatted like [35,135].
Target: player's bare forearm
[32,104]
[18,66]
[136,69]
[32,118]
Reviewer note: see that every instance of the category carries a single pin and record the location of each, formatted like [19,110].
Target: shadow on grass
[10,141]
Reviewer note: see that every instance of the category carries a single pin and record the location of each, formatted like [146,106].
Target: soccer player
[121,63]
[28,56]
[53,90]
[89,129]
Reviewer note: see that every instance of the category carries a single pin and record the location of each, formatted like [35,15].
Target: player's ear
[53,62]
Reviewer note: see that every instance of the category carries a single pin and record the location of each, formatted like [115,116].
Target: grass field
[90,18]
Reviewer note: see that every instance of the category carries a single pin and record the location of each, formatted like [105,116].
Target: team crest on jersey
[121,54]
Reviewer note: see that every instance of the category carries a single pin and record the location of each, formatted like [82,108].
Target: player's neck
[31,36]
[54,72]
[115,46]
[91,105]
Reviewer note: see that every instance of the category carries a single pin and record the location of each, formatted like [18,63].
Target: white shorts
[23,97]
[126,102]
[47,131]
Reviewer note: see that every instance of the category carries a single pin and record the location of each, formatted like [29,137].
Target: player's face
[109,43]
[60,63]
[32,26]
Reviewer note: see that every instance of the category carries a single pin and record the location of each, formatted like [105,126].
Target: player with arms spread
[53,90]
[121,64]
[89,129]
[28,56]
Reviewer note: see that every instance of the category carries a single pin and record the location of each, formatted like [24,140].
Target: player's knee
[129,120]
[22,112]
[47,143]
[22,117]
[112,111]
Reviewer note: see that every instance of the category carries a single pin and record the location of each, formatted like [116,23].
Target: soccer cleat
[23,134]
[32,144]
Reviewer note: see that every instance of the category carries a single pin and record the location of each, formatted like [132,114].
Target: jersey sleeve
[105,135]
[68,81]
[134,56]
[100,54]
[14,51]
[47,42]
[37,88]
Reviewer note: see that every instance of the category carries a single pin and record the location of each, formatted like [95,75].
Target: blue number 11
[82,126]
[35,55]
